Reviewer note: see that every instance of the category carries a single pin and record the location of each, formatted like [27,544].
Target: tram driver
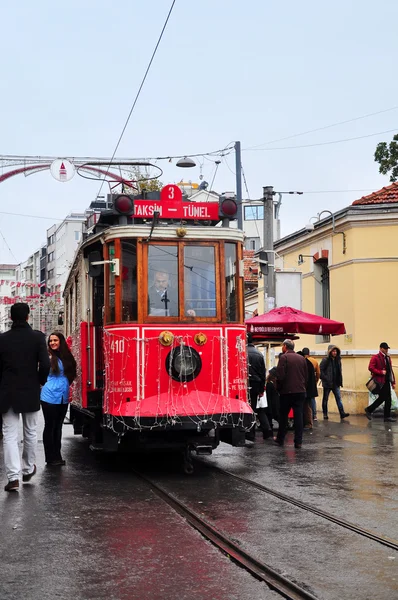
[163,297]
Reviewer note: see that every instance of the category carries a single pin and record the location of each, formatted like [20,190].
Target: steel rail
[390,543]
[277,582]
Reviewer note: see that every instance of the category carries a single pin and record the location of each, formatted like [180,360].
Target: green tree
[142,181]
[387,157]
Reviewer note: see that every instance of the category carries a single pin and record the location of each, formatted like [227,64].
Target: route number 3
[117,346]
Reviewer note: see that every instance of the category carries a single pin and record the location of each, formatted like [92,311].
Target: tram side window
[111,287]
[129,280]
[230,281]
[200,281]
[163,281]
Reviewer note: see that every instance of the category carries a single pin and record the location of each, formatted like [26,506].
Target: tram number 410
[117,346]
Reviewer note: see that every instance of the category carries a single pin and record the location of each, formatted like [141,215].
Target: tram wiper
[155,221]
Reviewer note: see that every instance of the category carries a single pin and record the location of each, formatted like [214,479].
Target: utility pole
[238,169]
[268,245]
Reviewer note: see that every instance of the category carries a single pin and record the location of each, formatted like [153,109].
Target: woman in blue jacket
[55,396]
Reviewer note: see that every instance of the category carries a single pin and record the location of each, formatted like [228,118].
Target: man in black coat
[332,380]
[24,366]
[291,375]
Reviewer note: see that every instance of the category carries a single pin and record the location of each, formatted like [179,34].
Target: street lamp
[186,162]
[310,226]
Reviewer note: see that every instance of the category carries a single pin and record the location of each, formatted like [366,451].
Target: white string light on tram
[175,394]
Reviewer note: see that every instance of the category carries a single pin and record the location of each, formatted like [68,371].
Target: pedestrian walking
[291,375]
[256,372]
[272,411]
[315,364]
[381,370]
[24,365]
[332,380]
[310,394]
[55,396]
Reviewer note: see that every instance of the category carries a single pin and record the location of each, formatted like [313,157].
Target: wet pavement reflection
[92,530]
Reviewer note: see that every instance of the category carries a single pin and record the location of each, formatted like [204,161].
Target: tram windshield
[183,279]
[163,281]
[200,281]
[230,282]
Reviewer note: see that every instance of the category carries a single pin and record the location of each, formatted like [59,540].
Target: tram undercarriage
[197,434]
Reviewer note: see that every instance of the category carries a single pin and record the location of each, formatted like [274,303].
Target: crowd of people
[292,387]
[33,373]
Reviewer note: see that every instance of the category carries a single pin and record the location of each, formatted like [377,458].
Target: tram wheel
[188,467]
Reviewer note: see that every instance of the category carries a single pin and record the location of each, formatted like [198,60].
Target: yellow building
[349,266]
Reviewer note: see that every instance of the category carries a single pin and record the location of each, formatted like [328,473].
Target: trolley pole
[268,245]
[238,169]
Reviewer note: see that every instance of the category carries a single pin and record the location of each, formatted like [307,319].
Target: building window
[252,243]
[77,236]
[254,213]
[322,294]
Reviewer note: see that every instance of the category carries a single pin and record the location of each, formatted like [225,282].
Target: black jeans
[255,390]
[288,401]
[54,415]
[384,396]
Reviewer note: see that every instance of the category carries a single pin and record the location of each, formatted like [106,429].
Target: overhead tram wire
[289,137]
[361,137]
[30,216]
[139,91]
[9,249]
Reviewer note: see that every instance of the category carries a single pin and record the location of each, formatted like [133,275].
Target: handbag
[262,401]
[373,386]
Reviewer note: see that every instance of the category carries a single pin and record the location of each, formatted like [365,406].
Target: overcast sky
[253,70]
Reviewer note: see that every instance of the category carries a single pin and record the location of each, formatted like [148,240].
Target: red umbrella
[284,320]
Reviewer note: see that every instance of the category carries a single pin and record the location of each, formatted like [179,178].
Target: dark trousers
[288,402]
[54,415]
[255,390]
[384,396]
[337,395]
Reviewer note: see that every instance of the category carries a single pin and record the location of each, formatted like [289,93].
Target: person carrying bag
[380,368]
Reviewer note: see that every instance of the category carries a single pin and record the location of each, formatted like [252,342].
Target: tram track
[385,541]
[275,581]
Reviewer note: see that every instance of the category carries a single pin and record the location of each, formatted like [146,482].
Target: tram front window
[129,280]
[199,281]
[230,281]
[163,281]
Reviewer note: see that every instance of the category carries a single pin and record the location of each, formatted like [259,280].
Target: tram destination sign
[172,206]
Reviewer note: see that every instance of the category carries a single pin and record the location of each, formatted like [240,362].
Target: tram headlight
[183,363]
[123,205]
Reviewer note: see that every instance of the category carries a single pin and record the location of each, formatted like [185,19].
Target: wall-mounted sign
[62,169]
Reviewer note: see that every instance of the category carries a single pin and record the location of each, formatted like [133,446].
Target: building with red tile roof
[349,268]
[386,195]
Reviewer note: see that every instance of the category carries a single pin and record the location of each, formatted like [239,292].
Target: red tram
[154,311]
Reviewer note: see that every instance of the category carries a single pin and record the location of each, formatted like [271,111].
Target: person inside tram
[163,297]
